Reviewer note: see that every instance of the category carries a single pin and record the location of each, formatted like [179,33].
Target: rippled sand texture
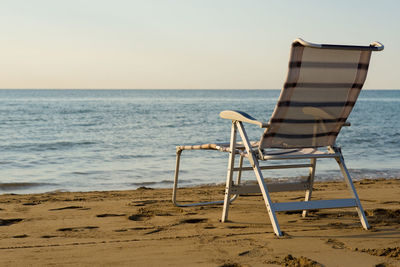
[143,228]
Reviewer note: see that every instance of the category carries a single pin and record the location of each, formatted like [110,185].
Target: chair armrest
[236,115]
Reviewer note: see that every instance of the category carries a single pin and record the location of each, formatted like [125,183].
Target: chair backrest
[322,86]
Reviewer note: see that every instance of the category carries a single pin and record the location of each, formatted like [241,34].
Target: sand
[142,228]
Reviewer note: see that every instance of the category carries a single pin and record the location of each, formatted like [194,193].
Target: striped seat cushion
[321,89]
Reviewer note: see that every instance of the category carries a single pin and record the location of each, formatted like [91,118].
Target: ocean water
[84,140]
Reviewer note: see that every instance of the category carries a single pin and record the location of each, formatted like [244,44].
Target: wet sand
[142,228]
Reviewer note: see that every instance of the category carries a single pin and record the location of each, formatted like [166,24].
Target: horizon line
[390,89]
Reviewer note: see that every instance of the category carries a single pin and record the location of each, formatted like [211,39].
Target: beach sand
[142,228]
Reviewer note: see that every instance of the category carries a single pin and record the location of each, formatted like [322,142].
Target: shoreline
[142,227]
[20,187]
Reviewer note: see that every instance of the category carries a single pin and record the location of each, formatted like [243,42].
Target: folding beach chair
[322,86]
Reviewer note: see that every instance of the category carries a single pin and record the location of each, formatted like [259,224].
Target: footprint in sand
[229,264]
[297,198]
[290,260]
[391,202]
[109,215]
[7,222]
[76,229]
[382,252]
[237,226]
[141,215]
[338,225]
[195,220]
[244,253]
[120,230]
[134,229]
[255,252]
[20,236]
[384,216]
[290,212]
[138,217]
[142,203]
[30,203]
[154,231]
[141,228]
[48,236]
[70,208]
[335,243]
[190,213]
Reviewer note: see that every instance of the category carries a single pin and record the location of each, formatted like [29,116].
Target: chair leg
[310,184]
[229,174]
[267,200]
[174,190]
[263,186]
[349,182]
[239,175]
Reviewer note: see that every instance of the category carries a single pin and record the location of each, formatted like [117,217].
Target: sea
[97,140]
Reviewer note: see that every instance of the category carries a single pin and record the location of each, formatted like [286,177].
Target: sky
[183,44]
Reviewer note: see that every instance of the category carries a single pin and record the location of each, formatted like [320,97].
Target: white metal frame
[254,158]
[176,184]
[235,188]
[374,46]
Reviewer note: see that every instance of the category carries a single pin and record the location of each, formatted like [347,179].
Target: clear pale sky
[183,44]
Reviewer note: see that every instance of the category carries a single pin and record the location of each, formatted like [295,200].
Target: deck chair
[322,86]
